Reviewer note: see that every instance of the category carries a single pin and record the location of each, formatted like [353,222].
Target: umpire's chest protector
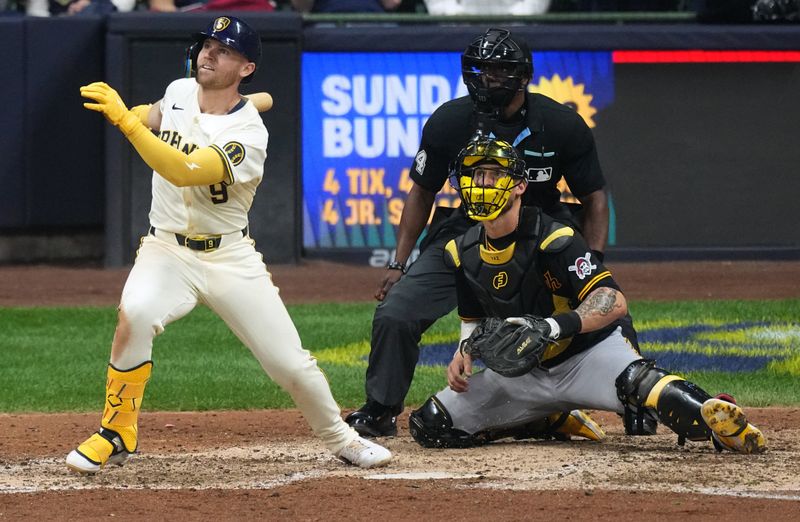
[506,282]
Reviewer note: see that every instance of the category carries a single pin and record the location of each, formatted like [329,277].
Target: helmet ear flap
[192,52]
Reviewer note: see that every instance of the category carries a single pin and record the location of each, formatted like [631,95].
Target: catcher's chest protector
[506,282]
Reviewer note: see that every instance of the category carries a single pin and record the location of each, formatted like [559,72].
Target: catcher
[552,327]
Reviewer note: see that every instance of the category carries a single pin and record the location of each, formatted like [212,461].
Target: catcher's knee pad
[432,427]
[676,401]
[124,393]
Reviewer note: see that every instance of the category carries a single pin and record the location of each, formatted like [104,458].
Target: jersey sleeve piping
[229,180]
[591,284]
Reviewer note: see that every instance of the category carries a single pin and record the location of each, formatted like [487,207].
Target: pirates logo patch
[583,266]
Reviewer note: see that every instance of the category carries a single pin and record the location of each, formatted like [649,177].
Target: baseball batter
[207,161]
[519,262]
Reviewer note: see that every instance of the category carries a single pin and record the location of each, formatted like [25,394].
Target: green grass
[691,312]
[54,359]
[761,388]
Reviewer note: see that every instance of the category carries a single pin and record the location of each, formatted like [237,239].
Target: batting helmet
[232,32]
[494,68]
[484,173]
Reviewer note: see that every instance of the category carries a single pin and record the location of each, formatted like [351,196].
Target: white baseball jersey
[169,279]
[240,138]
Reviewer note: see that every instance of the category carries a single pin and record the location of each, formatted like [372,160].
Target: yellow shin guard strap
[652,397]
[124,393]
[97,449]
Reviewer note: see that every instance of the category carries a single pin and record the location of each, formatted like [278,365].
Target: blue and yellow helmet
[232,32]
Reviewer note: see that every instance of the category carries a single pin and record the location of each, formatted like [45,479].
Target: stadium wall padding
[719,174]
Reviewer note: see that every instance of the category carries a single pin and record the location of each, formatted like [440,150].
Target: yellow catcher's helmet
[484,173]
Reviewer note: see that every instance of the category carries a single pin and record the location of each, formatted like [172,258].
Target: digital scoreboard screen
[363,115]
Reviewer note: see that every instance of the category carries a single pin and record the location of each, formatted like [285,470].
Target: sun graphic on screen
[566,92]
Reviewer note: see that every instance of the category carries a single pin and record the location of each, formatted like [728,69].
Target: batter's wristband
[396,265]
[569,323]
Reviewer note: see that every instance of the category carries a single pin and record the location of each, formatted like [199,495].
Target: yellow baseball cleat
[104,447]
[576,423]
[730,429]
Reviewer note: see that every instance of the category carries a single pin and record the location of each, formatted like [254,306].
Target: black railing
[621,17]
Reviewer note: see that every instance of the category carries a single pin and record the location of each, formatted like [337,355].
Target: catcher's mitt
[508,348]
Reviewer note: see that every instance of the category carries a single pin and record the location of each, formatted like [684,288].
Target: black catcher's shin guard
[676,401]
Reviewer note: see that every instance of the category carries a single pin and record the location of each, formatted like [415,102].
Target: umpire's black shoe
[375,420]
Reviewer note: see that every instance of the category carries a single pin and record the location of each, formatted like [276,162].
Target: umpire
[554,141]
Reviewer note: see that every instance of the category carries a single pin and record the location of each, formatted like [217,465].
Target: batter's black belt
[203,242]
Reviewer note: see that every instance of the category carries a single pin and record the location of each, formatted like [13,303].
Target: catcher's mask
[232,32]
[494,68]
[484,173]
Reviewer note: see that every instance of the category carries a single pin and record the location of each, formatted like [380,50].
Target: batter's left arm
[149,114]
[595,219]
[203,166]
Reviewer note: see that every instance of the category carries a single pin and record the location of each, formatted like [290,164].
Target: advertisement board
[363,115]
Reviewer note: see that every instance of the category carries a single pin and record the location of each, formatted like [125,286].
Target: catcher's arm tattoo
[601,308]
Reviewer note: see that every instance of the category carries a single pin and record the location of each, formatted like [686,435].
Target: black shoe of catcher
[375,420]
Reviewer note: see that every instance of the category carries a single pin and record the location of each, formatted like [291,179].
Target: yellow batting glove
[143,113]
[109,103]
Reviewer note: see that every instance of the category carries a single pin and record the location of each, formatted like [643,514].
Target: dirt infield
[265,464]
[310,282]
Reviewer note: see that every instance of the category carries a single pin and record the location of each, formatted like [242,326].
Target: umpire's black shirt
[552,138]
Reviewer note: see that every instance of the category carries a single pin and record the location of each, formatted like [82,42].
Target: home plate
[427,475]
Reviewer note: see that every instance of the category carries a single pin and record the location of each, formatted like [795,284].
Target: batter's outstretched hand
[108,102]
[389,279]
